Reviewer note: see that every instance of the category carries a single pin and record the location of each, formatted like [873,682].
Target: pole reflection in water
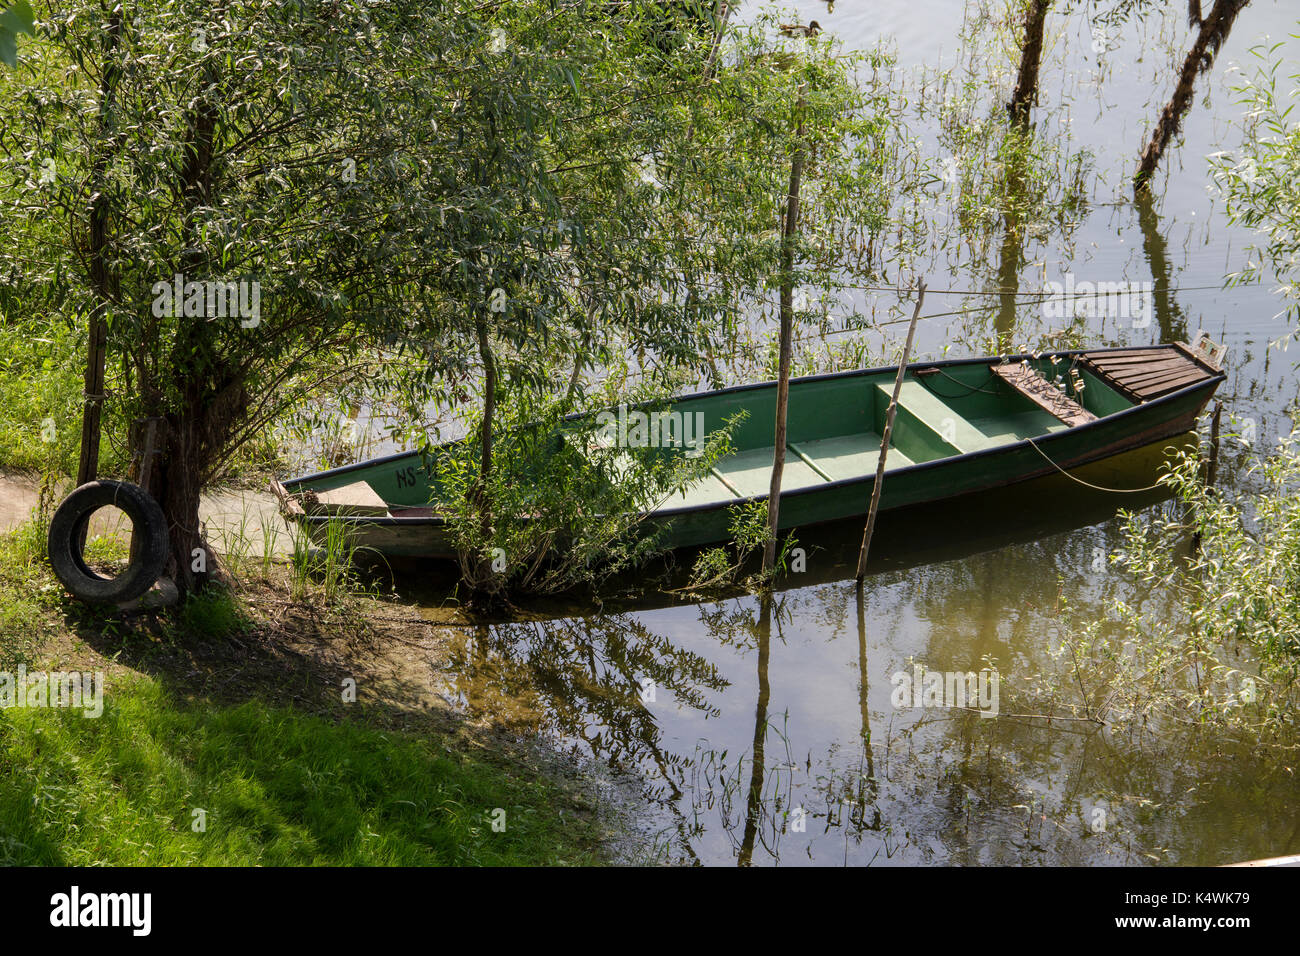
[750,732]
[754,806]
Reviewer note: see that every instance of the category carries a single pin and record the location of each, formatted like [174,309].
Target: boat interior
[835,424]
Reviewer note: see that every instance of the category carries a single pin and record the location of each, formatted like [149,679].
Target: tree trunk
[1214,30]
[191,432]
[787,347]
[482,492]
[92,409]
[193,564]
[102,278]
[1031,56]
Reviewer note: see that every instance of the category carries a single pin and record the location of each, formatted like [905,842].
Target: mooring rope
[969,388]
[1117,491]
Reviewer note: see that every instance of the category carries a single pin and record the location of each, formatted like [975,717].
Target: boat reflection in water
[760,730]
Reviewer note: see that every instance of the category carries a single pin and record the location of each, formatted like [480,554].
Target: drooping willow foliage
[458,205]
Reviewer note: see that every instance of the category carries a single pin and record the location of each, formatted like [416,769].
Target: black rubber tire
[69,523]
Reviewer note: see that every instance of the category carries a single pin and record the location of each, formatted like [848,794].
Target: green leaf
[15,19]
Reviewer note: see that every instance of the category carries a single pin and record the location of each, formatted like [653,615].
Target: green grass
[279,788]
[211,614]
[27,594]
[41,365]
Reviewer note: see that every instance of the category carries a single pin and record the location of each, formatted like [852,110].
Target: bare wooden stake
[1214,446]
[787,336]
[884,439]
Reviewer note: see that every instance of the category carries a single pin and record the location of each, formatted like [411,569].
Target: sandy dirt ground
[234,518]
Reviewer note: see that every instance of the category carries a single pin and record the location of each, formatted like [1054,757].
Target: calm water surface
[771,736]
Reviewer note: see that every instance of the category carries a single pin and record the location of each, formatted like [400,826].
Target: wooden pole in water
[884,439]
[1214,445]
[1212,471]
[787,344]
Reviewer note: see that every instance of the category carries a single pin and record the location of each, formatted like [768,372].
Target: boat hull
[952,477]
[1114,424]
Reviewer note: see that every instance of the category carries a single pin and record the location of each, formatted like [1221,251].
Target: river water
[769,732]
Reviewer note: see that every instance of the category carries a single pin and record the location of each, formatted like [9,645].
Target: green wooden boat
[961,426]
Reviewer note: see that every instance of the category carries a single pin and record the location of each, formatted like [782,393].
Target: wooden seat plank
[1152,389]
[1043,394]
[851,456]
[1124,353]
[933,414]
[1151,375]
[1175,362]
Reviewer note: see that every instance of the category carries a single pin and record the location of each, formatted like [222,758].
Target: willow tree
[464,203]
[667,181]
[244,200]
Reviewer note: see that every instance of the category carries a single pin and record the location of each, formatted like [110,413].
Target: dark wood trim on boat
[1198,357]
[1141,375]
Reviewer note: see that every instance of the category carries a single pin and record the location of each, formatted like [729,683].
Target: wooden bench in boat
[808,463]
[847,456]
[1044,394]
[918,407]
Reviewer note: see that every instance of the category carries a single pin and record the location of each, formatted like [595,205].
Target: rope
[1116,491]
[969,388]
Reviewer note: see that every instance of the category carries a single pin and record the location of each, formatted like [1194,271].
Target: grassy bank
[42,360]
[40,398]
[274,787]
[231,705]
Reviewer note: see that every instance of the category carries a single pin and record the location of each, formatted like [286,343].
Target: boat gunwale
[1036,440]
